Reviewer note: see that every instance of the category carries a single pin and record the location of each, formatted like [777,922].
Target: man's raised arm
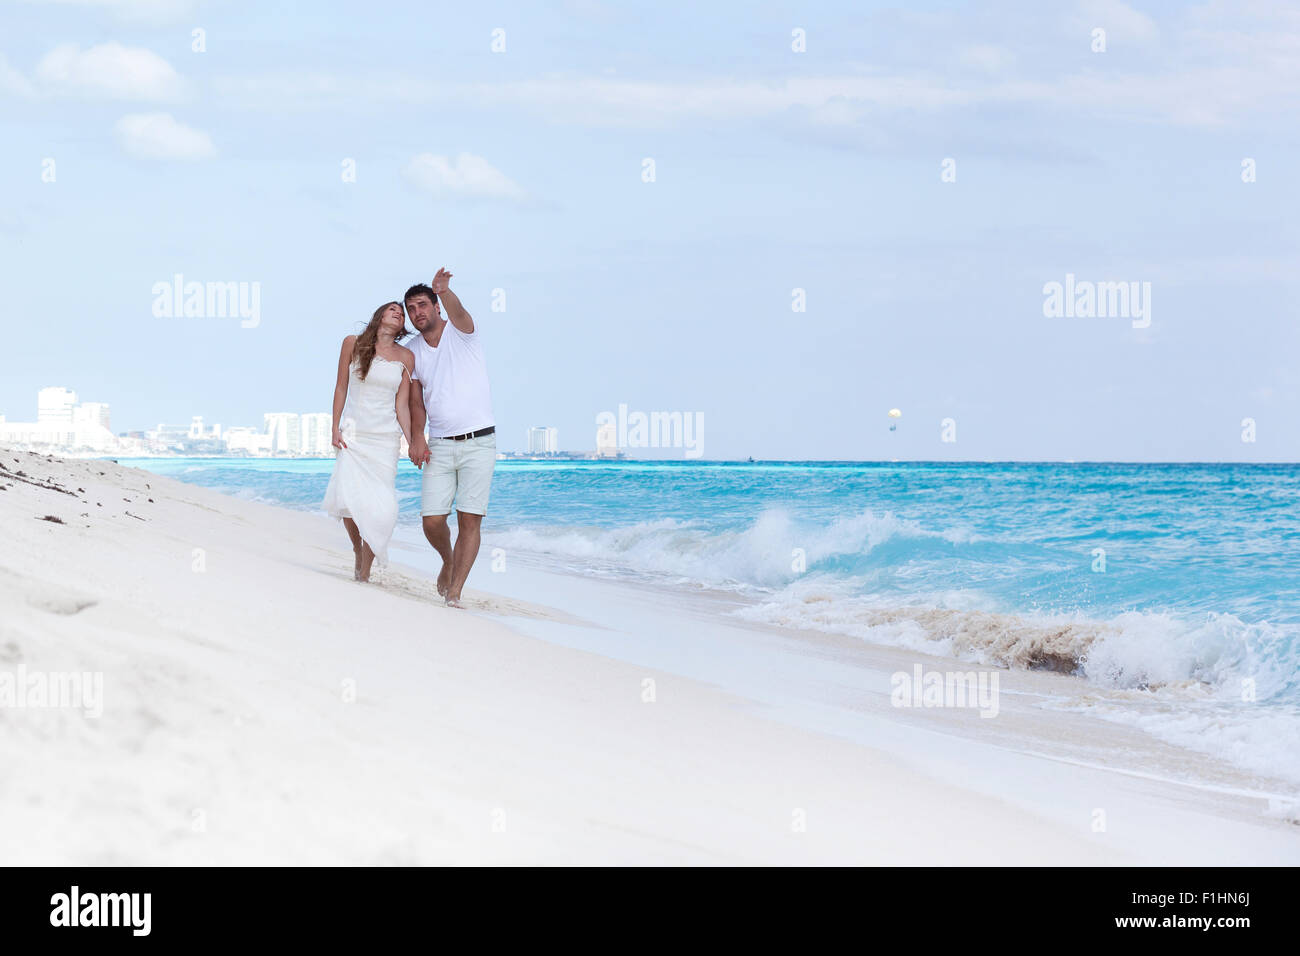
[456,313]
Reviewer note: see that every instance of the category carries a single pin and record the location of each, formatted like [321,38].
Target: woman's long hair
[364,350]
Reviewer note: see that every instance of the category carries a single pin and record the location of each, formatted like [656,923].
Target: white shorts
[460,472]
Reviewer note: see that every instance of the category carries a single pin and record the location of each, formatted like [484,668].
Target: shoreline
[260,707]
[1025,646]
[1044,701]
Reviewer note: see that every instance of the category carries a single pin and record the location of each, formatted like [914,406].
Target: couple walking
[435,383]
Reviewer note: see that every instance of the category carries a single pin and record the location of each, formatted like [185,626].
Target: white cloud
[159,136]
[1203,96]
[1212,67]
[308,90]
[618,101]
[469,176]
[1120,21]
[596,100]
[11,81]
[151,11]
[110,71]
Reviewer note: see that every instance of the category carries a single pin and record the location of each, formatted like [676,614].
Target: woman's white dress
[364,484]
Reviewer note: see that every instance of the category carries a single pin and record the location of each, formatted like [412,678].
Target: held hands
[442,281]
[419,452]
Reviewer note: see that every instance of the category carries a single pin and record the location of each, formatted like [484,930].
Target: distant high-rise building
[543,440]
[63,425]
[317,432]
[167,438]
[54,406]
[91,414]
[52,435]
[91,427]
[285,429]
[607,441]
[196,426]
[247,441]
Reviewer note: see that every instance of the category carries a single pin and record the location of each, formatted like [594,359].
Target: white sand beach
[259,706]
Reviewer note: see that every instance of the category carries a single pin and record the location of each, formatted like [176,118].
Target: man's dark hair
[418,290]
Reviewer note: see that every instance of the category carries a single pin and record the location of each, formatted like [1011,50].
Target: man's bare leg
[439,535]
[468,535]
[355,535]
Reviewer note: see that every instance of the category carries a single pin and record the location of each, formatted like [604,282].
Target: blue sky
[774,170]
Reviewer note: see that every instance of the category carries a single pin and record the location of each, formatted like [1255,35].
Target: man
[459,452]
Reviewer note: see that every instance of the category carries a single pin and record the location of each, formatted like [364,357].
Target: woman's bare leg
[357,545]
[367,558]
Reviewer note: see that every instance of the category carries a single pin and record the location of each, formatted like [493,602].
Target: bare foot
[356,566]
[444,580]
[453,600]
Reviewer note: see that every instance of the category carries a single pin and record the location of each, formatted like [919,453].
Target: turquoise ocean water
[1181,582]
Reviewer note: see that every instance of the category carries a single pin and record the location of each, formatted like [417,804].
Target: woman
[371,415]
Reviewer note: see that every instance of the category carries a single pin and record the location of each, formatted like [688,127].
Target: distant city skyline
[65,424]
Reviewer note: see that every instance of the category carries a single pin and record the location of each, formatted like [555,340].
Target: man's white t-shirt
[455,382]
